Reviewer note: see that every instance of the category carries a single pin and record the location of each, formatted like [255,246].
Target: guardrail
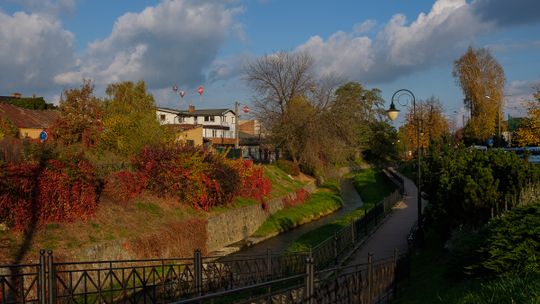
[372,282]
[332,250]
[149,280]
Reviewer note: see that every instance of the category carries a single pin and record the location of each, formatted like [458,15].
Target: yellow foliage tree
[481,79]
[529,133]
[433,124]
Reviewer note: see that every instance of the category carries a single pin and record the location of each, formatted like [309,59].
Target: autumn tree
[482,80]
[7,128]
[529,133]
[431,120]
[313,120]
[80,118]
[130,119]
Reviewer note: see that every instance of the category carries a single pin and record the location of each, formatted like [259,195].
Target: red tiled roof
[25,118]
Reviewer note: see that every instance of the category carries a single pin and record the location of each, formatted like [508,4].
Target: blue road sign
[490,142]
[43,135]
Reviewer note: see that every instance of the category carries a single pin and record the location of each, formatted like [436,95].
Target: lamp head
[392,111]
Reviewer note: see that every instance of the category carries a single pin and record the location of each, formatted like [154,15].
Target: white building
[218,124]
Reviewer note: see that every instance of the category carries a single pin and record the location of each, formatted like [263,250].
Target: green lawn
[281,182]
[324,200]
[371,184]
[428,283]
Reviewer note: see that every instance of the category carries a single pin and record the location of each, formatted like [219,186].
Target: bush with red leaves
[123,186]
[56,192]
[300,197]
[198,176]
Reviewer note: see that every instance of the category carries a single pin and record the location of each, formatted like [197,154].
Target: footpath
[393,232]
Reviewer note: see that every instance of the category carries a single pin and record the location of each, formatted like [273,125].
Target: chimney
[191,108]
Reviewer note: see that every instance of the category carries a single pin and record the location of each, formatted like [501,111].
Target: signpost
[43,136]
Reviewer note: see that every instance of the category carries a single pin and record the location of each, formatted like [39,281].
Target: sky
[47,46]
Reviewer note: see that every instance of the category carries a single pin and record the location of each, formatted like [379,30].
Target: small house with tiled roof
[30,123]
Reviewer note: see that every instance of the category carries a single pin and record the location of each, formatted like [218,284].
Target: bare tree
[301,111]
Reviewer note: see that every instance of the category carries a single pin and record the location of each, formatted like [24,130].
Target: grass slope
[372,185]
[323,201]
[281,182]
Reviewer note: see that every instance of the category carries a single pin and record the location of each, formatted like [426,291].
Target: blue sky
[50,45]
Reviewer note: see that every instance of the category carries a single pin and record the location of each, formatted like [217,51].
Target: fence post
[394,282]
[365,222]
[335,248]
[42,278]
[370,277]
[310,281]
[51,278]
[353,232]
[197,269]
[268,263]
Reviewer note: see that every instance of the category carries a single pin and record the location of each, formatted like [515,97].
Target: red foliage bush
[300,197]
[254,184]
[200,177]
[123,186]
[56,192]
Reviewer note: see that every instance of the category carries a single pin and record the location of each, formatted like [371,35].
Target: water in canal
[351,201]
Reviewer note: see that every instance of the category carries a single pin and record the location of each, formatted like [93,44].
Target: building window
[209,118]
[190,142]
[214,133]
[162,117]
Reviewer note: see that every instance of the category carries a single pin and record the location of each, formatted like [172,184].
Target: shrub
[254,184]
[123,186]
[300,196]
[513,244]
[56,192]
[288,167]
[198,176]
[464,186]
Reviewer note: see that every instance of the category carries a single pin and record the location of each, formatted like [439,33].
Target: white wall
[170,118]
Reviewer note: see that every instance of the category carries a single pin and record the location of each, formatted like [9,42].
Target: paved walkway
[393,232]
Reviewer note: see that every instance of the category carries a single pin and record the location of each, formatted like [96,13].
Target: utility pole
[236,143]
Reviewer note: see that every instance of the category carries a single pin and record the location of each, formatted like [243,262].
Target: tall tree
[431,120]
[529,133]
[130,122]
[306,116]
[81,113]
[482,80]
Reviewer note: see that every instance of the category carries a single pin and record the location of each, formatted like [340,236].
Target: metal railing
[135,281]
[371,282]
[332,250]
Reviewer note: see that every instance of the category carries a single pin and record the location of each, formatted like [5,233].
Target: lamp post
[498,120]
[393,114]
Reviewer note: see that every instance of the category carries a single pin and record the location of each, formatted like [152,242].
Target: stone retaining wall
[238,224]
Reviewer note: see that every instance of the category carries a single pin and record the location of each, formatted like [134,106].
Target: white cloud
[33,49]
[399,48]
[172,42]
[364,27]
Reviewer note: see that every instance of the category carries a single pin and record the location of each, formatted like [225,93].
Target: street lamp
[498,120]
[393,114]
